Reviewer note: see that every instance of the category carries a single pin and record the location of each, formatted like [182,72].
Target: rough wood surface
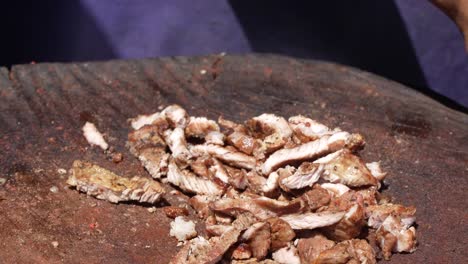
[422,144]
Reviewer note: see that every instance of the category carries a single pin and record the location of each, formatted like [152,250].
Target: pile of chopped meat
[269,190]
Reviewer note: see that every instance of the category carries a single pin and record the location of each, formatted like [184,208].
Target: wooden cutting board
[422,144]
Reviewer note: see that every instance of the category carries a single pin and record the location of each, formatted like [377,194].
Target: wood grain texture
[422,144]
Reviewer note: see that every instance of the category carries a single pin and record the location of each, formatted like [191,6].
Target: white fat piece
[287,255]
[182,229]
[93,136]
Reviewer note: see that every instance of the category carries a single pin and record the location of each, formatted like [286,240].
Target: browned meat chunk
[106,185]
[316,198]
[396,236]
[281,233]
[378,213]
[349,226]
[241,251]
[357,251]
[243,142]
[259,240]
[310,248]
[145,137]
[155,161]
[215,138]
[346,168]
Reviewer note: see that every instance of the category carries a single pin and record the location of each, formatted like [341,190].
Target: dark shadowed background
[409,41]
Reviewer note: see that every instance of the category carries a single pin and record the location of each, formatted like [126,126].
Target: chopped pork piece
[306,175]
[189,182]
[346,168]
[312,220]
[176,116]
[287,255]
[376,171]
[281,233]
[199,127]
[241,251]
[217,230]
[219,171]
[214,138]
[310,150]
[233,158]
[175,139]
[93,136]
[237,177]
[155,161]
[395,236]
[310,248]
[145,137]
[349,226]
[201,204]
[268,124]
[355,250]
[231,126]
[143,120]
[378,213]
[259,239]
[273,130]
[263,207]
[182,229]
[105,185]
[315,198]
[188,253]
[218,246]
[306,129]
[243,142]
[335,189]
[254,261]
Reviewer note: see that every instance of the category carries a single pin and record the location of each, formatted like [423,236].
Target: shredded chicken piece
[93,136]
[233,158]
[106,185]
[258,236]
[349,226]
[309,151]
[189,182]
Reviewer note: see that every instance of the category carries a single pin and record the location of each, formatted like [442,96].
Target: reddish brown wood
[422,144]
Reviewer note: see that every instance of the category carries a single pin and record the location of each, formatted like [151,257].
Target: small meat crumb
[54,189]
[117,157]
[55,244]
[174,211]
[182,229]
[93,136]
[152,209]
[62,171]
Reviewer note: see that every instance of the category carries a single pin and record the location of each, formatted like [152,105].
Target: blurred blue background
[409,41]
